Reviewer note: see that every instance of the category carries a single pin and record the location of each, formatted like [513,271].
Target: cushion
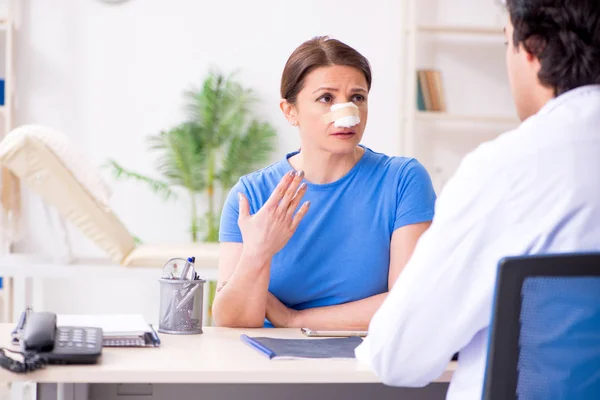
[45,161]
[156,255]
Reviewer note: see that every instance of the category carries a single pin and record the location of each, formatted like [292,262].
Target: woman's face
[324,87]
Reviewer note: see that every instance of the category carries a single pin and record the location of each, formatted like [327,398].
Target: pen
[155,338]
[187,297]
[189,263]
[258,346]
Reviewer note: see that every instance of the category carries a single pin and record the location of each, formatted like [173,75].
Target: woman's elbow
[228,320]
[237,323]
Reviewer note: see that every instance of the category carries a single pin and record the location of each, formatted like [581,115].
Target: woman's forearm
[241,302]
[355,315]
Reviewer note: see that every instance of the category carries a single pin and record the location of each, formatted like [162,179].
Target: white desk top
[217,356]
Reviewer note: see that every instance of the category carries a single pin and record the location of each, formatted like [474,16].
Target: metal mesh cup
[181,306]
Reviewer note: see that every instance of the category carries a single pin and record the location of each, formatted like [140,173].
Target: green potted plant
[205,155]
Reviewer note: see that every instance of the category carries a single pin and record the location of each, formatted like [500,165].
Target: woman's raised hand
[268,230]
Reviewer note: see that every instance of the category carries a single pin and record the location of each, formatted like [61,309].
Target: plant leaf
[220,108]
[120,173]
[182,160]
[246,152]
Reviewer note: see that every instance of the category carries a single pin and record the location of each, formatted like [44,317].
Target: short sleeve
[229,230]
[415,196]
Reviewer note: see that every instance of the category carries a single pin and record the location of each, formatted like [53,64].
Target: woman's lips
[343,134]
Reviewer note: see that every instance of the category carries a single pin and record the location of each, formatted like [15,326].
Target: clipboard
[148,339]
[118,330]
[291,349]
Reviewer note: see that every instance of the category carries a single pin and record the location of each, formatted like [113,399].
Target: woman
[317,239]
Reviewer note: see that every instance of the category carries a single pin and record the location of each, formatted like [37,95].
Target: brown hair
[564,36]
[320,51]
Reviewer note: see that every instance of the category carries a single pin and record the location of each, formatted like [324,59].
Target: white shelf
[462,30]
[443,116]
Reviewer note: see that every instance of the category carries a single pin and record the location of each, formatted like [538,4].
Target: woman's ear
[289,112]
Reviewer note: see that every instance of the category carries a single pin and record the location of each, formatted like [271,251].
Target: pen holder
[181,306]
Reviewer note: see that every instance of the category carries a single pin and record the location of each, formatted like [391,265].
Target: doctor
[533,190]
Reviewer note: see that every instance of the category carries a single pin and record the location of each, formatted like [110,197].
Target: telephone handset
[39,333]
[60,345]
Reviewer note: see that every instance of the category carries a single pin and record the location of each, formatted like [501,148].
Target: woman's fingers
[295,201]
[299,215]
[244,207]
[282,208]
[279,192]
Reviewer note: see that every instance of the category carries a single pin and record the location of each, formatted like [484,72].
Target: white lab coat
[532,190]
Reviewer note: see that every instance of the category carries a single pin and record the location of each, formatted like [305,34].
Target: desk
[216,357]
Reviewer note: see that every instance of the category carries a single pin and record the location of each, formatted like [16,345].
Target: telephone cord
[31,362]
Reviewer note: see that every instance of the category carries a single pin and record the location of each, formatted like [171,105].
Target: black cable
[31,362]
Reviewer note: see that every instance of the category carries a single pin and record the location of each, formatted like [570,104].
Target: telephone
[42,342]
[60,345]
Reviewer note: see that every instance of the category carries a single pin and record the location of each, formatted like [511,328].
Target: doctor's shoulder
[504,151]
[494,158]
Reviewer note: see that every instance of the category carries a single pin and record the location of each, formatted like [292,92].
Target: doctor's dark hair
[320,51]
[564,35]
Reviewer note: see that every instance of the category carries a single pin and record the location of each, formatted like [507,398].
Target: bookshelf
[461,30]
[9,184]
[449,117]
[467,41]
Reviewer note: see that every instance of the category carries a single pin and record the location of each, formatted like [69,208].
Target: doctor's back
[543,196]
[534,190]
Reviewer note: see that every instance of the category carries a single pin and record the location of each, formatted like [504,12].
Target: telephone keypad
[78,339]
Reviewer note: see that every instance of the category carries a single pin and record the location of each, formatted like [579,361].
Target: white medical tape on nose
[343,115]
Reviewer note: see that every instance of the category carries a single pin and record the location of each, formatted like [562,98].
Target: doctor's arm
[357,314]
[442,299]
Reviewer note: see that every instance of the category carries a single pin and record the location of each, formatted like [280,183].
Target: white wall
[108,76]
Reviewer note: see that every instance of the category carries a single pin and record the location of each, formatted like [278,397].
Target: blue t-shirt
[340,252]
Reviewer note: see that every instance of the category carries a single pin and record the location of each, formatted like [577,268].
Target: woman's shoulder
[399,165]
[264,179]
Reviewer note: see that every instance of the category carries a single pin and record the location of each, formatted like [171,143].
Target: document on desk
[118,330]
[303,348]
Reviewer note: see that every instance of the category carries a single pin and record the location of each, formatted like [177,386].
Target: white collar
[567,96]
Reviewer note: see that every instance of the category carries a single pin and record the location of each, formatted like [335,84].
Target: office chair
[545,329]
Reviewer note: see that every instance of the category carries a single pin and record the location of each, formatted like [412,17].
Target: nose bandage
[344,115]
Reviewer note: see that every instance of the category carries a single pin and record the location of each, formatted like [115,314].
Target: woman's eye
[358,98]
[326,98]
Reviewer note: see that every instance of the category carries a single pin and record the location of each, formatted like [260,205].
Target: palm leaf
[220,107]
[120,173]
[247,152]
[181,159]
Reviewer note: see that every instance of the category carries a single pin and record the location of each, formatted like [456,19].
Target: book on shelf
[430,91]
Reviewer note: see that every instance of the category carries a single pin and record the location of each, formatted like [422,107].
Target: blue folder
[303,348]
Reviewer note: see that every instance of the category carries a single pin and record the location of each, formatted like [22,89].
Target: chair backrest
[545,329]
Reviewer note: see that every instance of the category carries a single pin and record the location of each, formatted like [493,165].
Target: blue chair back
[545,329]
